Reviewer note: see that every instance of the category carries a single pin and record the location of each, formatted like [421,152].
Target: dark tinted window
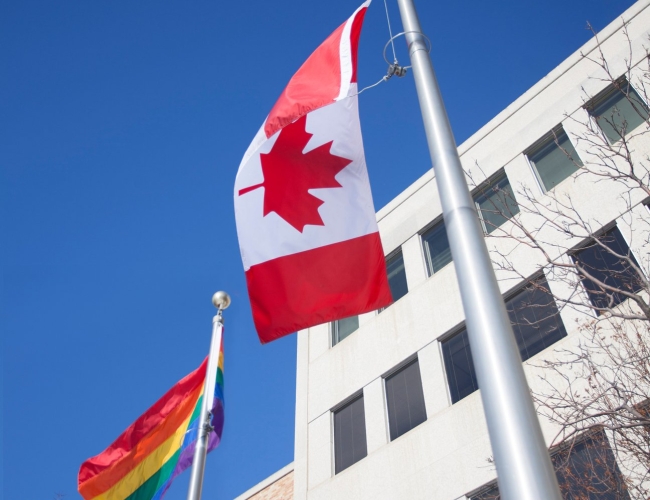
[349,435]
[436,248]
[619,111]
[585,471]
[555,159]
[536,324]
[459,366]
[491,493]
[343,328]
[535,319]
[405,400]
[588,470]
[397,276]
[496,204]
[605,267]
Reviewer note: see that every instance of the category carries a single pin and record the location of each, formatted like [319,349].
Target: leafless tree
[595,388]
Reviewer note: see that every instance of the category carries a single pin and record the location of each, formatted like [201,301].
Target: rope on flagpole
[383,79]
[390,33]
[394,69]
[395,65]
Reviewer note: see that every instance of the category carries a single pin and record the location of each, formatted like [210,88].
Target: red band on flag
[318,81]
[296,291]
[314,85]
[355,34]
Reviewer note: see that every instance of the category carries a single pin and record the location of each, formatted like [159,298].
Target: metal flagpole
[523,464]
[221,301]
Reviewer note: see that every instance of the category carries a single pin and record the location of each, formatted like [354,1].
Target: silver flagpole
[523,465]
[221,301]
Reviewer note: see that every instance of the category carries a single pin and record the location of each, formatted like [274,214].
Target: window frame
[334,330]
[604,95]
[583,246]
[519,288]
[542,142]
[392,372]
[336,408]
[446,336]
[397,251]
[482,490]
[457,330]
[426,253]
[480,191]
[568,444]
[462,327]
[592,435]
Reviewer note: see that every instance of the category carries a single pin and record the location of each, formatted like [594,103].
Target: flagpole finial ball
[221,300]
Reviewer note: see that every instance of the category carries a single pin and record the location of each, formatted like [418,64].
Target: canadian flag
[305,217]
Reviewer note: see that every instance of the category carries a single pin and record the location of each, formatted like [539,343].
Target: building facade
[387,404]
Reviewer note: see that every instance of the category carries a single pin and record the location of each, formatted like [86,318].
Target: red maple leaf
[289,174]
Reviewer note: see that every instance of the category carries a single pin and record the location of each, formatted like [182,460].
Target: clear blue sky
[123,124]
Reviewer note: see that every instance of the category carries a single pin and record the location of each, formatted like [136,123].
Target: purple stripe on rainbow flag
[189,442]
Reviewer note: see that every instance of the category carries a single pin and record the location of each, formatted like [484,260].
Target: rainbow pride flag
[142,463]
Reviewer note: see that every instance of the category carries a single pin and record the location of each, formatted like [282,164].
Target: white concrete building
[364,428]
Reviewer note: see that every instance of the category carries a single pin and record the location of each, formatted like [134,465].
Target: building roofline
[503,116]
[266,482]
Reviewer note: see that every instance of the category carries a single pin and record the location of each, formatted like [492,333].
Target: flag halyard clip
[208,427]
[395,70]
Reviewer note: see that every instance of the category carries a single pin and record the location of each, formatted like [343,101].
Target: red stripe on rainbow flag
[148,422]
